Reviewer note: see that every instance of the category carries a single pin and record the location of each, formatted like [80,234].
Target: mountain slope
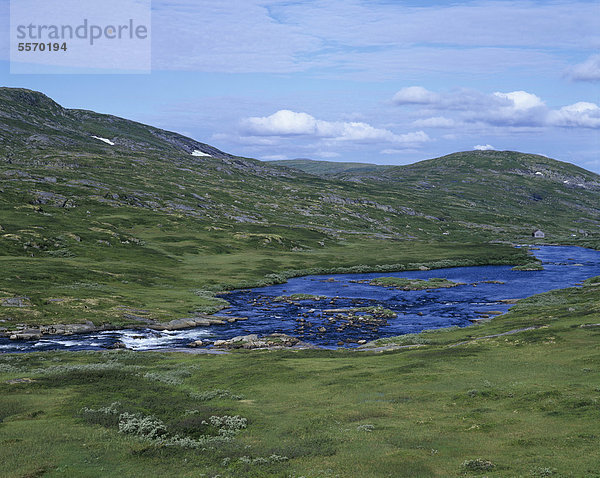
[33,120]
[92,230]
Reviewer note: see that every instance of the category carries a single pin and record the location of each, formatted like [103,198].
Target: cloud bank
[291,123]
[510,109]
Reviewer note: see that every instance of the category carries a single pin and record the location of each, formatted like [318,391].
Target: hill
[112,221]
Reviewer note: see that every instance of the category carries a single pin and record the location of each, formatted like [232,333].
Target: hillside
[32,120]
[108,220]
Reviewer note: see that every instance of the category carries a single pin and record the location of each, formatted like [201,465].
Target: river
[330,321]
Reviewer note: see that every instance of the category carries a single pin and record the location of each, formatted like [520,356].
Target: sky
[387,82]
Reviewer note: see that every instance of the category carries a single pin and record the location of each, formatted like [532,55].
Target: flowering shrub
[478,464]
[228,425]
[147,427]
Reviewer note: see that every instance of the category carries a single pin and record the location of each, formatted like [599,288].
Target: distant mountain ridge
[329,168]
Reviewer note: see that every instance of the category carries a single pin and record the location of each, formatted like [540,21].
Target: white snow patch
[107,141]
[197,152]
[539,173]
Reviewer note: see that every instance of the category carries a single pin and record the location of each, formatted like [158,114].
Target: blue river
[487,291]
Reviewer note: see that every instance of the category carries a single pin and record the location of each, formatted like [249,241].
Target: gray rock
[253,341]
[16,302]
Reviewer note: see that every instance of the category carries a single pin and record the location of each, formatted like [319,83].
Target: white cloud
[589,70]
[483,147]
[415,95]
[582,114]
[515,109]
[291,123]
[435,122]
[281,123]
[460,99]
[521,100]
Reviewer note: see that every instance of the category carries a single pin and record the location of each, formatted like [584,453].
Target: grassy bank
[122,285]
[521,404]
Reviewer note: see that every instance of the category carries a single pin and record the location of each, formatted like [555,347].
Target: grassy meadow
[525,403]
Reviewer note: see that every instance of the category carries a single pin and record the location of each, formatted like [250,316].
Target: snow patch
[197,152]
[539,173]
[107,141]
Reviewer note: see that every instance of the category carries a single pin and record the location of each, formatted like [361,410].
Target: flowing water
[325,323]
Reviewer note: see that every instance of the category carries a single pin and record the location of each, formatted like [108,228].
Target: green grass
[413,284]
[525,402]
[531,266]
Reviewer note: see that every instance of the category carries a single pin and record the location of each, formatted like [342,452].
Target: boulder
[253,341]
[16,302]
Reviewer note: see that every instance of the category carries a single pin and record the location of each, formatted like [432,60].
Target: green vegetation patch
[376,311]
[531,266]
[413,284]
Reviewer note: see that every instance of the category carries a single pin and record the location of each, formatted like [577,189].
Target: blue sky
[389,82]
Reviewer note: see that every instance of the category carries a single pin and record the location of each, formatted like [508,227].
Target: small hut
[538,234]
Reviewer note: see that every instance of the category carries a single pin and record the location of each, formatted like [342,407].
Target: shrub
[365,428]
[228,425]
[478,464]
[147,427]
[543,472]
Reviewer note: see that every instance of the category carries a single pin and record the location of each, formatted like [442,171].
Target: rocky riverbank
[23,332]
